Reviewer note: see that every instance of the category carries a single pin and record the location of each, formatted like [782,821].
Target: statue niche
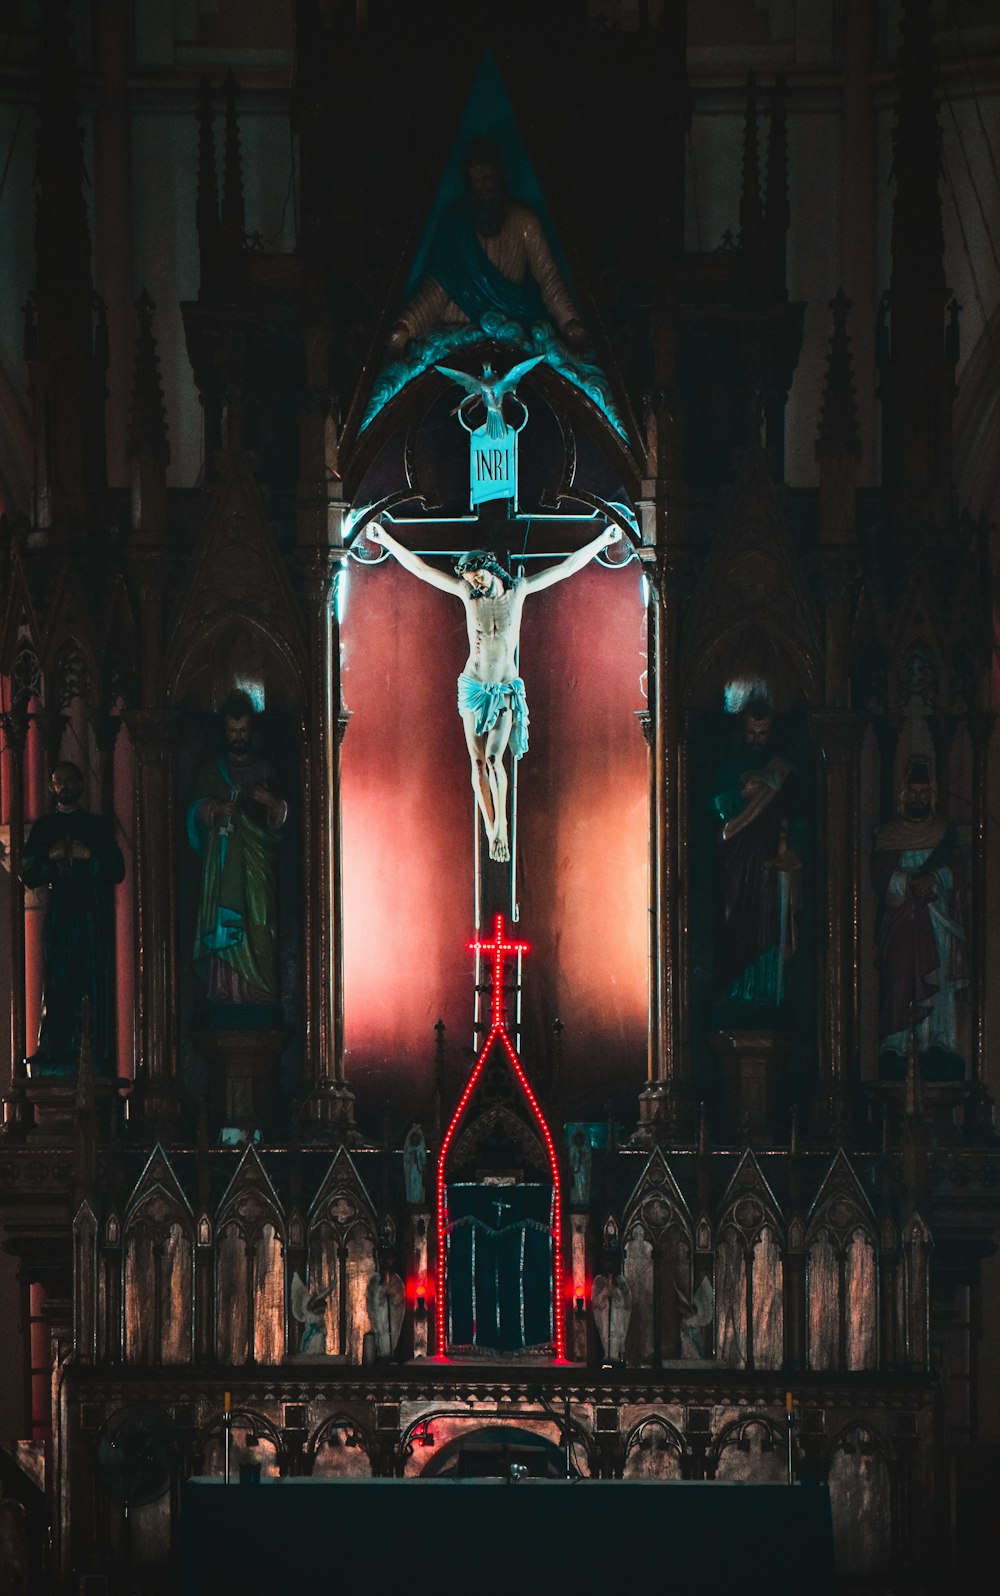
[919,876]
[238,901]
[751,894]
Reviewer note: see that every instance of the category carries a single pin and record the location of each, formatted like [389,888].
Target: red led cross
[499,949]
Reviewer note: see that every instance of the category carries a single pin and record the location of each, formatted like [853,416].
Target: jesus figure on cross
[491,697]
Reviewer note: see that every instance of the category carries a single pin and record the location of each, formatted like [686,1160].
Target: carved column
[838,736]
[795,1296]
[106,727]
[153,733]
[37,764]
[664,1096]
[14,725]
[329,1109]
[981,725]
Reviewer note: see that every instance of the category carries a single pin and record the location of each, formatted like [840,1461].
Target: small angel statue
[309,1309]
[701,1312]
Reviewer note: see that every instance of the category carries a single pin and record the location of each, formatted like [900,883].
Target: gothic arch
[749,1242]
[658,1247]
[341,1251]
[247,1430]
[841,1274]
[228,648]
[340,1432]
[157,1260]
[666,1453]
[250,1268]
[755,1436]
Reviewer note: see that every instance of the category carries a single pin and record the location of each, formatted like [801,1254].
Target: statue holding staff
[491,697]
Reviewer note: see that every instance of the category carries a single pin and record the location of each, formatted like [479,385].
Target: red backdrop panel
[408,824]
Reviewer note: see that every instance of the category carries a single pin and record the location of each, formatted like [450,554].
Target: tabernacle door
[500,1267]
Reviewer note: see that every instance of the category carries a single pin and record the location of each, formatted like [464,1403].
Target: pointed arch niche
[225,653]
[583,787]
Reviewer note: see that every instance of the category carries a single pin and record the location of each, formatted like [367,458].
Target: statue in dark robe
[75,855]
[756,798]
[920,935]
[234,823]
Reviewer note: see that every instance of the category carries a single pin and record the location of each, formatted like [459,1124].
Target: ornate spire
[233,209]
[750,205]
[207,208]
[148,421]
[838,423]
[776,209]
[148,448]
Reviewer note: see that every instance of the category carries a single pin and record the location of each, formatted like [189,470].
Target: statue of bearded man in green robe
[235,823]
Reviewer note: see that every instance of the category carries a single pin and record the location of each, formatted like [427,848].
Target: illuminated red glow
[500,948]
[420,1289]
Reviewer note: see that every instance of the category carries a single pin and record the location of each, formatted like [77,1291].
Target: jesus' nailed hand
[491,698]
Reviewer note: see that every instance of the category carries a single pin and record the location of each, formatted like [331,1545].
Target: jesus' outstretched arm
[572,563]
[376,533]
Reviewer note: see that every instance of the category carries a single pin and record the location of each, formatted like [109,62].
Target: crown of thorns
[482,560]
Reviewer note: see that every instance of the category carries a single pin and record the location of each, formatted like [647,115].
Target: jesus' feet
[499,850]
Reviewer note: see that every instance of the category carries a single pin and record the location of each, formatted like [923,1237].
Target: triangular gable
[157,1180]
[657,1181]
[237,573]
[342,1178]
[250,1195]
[489,112]
[752,581]
[841,1201]
[748,1182]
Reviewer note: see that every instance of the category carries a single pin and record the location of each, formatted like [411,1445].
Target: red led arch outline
[498,947]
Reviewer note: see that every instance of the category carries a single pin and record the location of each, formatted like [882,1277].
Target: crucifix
[501,1208]
[491,697]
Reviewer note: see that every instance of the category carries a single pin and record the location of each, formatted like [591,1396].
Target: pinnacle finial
[207,205]
[750,206]
[148,422]
[233,208]
[838,425]
[777,213]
